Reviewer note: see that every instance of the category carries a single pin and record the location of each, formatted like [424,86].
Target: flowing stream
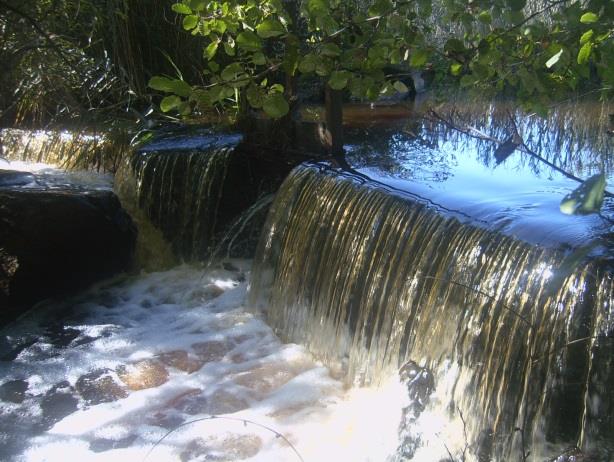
[107,374]
[422,307]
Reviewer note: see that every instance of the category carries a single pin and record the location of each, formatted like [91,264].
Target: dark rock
[15,178]
[61,336]
[10,349]
[13,391]
[56,241]
[212,350]
[100,386]
[58,403]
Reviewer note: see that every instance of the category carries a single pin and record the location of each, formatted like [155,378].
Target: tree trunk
[333,101]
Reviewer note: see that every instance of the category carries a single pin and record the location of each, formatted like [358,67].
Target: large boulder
[54,241]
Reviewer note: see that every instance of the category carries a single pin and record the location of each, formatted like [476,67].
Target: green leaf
[554,59]
[179,87]
[586,198]
[230,51]
[232,72]
[270,27]
[181,8]
[400,87]
[418,58]
[455,69]
[169,103]
[454,45]
[255,96]
[338,80]
[218,25]
[190,22]
[308,63]
[211,50]
[275,106]
[586,36]
[589,18]
[249,41]
[197,5]
[258,59]
[330,49]
[585,53]
[485,17]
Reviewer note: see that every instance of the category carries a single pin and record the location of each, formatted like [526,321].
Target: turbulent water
[369,279]
[107,374]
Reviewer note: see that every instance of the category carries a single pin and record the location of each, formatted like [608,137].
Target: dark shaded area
[58,241]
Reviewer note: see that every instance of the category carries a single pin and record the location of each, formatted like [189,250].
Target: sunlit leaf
[455,69]
[586,198]
[190,22]
[270,27]
[400,87]
[554,59]
[211,50]
[179,87]
[585,53]
[169,103]
[586,36]
[418,58]
[181,8]
[589,18]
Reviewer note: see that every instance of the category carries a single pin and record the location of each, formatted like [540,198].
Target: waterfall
[180,193]
[195,190]
[369,279]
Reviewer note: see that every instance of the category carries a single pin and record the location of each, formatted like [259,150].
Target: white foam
[256,384]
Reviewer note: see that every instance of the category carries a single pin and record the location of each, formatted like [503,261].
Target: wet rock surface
[100,386]
[99,376]
[226,449]
[56,241]
[57,403]
[143,374]
[13,391]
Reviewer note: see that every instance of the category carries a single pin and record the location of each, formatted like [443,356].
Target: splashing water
[105,375]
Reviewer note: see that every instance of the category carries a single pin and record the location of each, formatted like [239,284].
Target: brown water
[369,274]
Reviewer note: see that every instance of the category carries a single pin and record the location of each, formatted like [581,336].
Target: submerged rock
[13,391]
[100,386]
[56,241]
[144,374]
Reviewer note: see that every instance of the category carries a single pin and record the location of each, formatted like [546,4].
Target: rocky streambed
[105,375]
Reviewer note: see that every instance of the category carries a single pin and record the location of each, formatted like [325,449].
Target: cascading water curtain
[369,280]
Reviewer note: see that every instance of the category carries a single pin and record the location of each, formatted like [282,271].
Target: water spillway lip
[203,139]
[363,179]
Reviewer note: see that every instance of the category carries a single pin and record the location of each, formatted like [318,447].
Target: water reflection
[521,196]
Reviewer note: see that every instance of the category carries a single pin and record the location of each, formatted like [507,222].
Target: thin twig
[485,294]
[477,134]
[235,419]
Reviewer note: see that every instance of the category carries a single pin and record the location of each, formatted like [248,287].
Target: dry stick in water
[234,419]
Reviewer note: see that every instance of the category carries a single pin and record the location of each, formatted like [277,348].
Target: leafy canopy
[537,51]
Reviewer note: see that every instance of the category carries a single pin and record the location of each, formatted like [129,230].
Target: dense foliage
[85,61]
[535,51]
